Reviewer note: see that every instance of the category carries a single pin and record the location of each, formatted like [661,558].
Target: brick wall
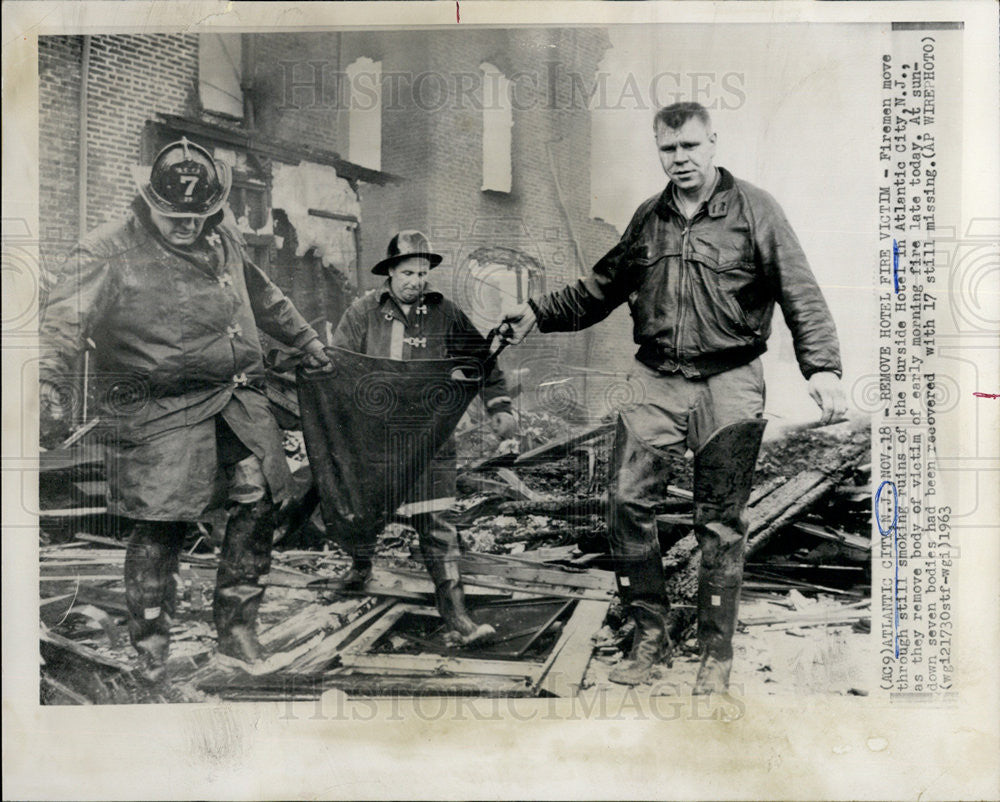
[58,133]
[131,78]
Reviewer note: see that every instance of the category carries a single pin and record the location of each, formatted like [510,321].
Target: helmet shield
[184,181]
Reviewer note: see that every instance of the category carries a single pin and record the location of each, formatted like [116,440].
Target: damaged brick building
[481,138]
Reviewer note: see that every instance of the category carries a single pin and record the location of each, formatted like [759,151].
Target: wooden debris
[567,507]
[785,504]
[835,535]
[543,577]
[326,650]
[72,512]
[564,446]
[81,652]
[474,483]
[519,487]
[563,672]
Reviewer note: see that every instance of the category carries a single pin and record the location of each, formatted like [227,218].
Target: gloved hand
[503,424]
[316,357]
[517,323]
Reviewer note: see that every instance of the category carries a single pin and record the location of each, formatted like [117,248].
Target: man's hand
[517,323]
[316,357]
[503,425]
[827,391]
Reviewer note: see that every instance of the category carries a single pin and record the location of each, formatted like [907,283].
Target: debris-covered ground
[536,565]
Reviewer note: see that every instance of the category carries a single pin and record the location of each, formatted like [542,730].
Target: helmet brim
[382,268]
[140,175]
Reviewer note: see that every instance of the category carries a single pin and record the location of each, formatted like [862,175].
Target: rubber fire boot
[245,558]
[439,547]
[639,479]
[463,631]
[723,475]
[360,573]
[640,475]
[650,645]
[718,608]
[152,558]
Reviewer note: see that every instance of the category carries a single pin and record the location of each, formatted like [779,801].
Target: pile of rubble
[536,565]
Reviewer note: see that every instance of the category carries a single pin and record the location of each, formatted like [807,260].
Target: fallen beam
[562,447]
[526,571]
[567,664]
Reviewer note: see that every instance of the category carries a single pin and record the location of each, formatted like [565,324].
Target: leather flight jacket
[702,290]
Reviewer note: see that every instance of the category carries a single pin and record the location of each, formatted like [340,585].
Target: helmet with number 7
[184,181]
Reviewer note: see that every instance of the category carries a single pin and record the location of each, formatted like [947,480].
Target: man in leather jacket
[701,266]
[173,303]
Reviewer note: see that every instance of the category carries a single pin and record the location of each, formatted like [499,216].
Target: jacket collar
[207,253]
[430,295]
[718,202]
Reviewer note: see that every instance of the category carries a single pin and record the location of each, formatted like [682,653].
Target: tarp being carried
[372,426]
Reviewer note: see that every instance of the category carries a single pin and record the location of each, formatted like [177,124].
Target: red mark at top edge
[987,395]
[458,12]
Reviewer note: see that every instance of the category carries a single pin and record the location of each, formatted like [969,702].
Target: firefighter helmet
[404,245]
[184,181]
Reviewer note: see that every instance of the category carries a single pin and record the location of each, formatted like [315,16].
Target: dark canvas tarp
[372,426]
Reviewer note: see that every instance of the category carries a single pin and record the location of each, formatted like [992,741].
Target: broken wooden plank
[764,489]
[72,512]
[563,447]
[310,687]
[498,565]
[474,483]
[488,463]
[518,485]
[439,664]
[549,554]
[313,619]
[396,582]
[816,485]
[73,697]
[185,557]
[535,589]
[392,684]
[564,670]
[571,508]
[323,653]
[834,535]
[82,652]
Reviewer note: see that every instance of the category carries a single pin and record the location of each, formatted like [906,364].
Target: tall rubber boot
[650,645]
[640,474]
[152,560]
[245,558]
[723,476]
[439,548]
